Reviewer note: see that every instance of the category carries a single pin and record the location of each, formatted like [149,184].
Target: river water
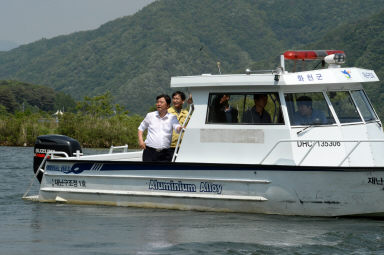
[28,227]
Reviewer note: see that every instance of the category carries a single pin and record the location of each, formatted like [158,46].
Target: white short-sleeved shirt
[159,129]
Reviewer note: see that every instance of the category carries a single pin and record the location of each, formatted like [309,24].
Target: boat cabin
[319,117]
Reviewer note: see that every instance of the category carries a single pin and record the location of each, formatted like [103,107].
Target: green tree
[97,106]
[64,102]
[7,99]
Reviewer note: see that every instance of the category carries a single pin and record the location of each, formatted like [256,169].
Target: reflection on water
[38,228]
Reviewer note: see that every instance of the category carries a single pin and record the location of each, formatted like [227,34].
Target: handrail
[40,169]
[306,154]
[353,149]
[125,147]
[315,142]
[191,109]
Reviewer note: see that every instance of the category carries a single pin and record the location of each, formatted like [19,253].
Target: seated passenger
[306,115]
[257,114]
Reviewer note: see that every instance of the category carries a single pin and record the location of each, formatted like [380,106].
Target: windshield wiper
[307,127]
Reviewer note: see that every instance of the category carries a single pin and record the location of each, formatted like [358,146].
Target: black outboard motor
[50,143]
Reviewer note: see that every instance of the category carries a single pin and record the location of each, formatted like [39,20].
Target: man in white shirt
[160,125]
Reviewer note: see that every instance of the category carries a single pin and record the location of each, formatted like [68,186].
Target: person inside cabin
[257,114]
[221,111]
[306,115]
[230,113]
[160,125]
[181,114]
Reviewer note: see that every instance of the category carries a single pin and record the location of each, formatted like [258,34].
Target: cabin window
[344,106]
[364,106]
[308,109]
[244,108]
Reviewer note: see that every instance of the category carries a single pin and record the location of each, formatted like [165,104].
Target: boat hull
[285,190]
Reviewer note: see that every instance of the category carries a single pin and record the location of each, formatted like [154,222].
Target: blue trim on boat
[80,166]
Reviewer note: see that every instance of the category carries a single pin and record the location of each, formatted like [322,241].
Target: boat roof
[275,78]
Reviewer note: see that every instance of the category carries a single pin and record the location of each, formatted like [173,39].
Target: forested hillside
[363,42]
[134,57]
[18,96]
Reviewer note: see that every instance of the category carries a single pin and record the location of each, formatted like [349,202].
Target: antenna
[218,66]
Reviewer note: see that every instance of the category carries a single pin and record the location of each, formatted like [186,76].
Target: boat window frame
[370,106]
[331,111]
[363,121]
[354,104]
[279,114]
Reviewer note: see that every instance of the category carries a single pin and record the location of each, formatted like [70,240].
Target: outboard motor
[50,143]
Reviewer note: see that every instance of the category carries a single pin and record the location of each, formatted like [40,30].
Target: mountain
[135,56]
[7,45]
[363,43]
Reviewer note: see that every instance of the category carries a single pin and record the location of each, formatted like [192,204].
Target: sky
[26,21]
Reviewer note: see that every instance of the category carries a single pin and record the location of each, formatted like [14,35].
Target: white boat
[332,165]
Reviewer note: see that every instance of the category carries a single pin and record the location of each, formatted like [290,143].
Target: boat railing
[315,142]
[191,109]
[50,154]
[124,147]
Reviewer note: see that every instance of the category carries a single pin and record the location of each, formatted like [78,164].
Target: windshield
[364,106]
[308,109]
[344,106]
